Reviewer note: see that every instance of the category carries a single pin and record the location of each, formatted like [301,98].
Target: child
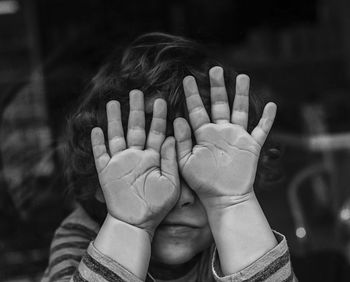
[176,204]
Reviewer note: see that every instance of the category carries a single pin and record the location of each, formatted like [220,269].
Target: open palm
[139,185]
[222,164]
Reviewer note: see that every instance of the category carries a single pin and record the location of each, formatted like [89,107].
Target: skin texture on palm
[214,158]
[140,185]
[221,167]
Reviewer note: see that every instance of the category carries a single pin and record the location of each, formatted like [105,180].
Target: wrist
[216,206]
[128,245]
[241,232]
[111,219]
[128,228]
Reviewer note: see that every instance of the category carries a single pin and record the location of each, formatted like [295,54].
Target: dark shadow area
[297,54]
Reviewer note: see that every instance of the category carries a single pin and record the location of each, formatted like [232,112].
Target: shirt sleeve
[93,266]
[96,266]
[73,256]
[275,266]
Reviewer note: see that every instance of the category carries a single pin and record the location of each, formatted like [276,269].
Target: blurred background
[296,52]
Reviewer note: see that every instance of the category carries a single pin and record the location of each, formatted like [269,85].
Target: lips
[179,224]
[177,231]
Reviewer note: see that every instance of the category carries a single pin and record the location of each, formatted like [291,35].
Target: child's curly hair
[155,63]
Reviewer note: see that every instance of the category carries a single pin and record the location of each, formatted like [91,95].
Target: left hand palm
[223,162]
[222,165]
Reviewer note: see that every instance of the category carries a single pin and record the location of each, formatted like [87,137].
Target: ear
[99,195]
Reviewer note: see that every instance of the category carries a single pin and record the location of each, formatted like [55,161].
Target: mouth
[178,224]
[177,230]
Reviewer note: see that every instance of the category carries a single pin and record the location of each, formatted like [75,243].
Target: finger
[220,110]
[261,131]
[99,149]
[168,162]
[156,133]
[136,135]
[182,132]
[241,102]
[198,114]
[116,138]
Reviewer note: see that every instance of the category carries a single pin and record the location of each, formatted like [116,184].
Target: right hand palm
[140,186]
[135,188]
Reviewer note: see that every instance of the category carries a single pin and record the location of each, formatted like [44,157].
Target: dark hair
[155,63]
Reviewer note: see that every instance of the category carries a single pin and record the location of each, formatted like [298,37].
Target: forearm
[126,244]
[241,233]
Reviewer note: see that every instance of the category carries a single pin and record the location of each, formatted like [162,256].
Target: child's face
[184,232]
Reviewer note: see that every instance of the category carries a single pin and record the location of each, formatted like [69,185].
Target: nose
[187,196]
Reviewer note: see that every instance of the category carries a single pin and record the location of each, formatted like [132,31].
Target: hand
[140,186]
[221,167]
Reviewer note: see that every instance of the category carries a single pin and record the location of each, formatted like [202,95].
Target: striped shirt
[73,257]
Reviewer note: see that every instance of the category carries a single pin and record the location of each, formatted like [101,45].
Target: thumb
[168,163]
[183,138]
[261,131]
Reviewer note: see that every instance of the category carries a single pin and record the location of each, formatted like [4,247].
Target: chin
[173,256]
